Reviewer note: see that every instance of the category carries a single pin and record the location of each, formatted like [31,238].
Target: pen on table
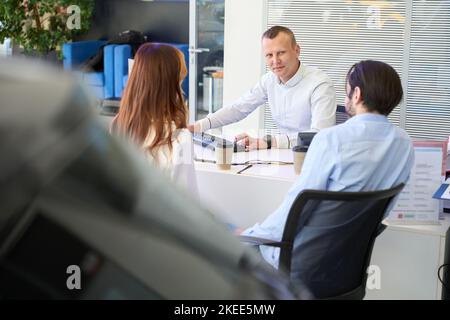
[242,170]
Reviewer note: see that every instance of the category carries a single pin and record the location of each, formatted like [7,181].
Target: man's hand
[249,142]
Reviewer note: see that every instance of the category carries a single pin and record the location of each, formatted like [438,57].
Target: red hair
[153,98]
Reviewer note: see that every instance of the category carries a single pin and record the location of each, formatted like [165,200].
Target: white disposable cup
[224,155]
[299,154]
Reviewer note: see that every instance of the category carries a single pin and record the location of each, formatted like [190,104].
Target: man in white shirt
[300,97]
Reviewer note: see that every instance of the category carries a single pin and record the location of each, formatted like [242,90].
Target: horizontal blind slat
[335,34]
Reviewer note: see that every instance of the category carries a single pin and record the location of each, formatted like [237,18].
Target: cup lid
[300,149]
[223,143]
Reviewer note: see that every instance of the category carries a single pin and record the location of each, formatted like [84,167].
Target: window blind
[412,36]
[428,100]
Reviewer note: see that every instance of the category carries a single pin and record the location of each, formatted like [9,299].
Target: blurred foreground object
[82,216]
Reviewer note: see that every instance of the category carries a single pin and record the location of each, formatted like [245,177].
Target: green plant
[43,26]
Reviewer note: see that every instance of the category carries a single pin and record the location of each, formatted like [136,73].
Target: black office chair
[328,239]
[341,114]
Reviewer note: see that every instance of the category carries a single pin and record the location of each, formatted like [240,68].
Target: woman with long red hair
[153,112]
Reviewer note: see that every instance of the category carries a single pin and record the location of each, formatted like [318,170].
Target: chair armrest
[75,53]
[381,228]
[263,242]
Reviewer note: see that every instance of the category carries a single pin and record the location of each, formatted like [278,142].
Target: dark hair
[275,30]
[380,85]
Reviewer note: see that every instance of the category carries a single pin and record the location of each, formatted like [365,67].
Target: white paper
[285,172]
[415,202]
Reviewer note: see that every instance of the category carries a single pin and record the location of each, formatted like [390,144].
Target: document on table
[415,202]
[444,191]
[285,172]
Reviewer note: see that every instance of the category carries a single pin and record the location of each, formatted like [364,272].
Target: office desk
[408,255]
[245,198]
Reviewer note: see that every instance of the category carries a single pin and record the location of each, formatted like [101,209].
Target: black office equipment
[445,280]
[210,141]
[328,240]
[341,114]
[304,138]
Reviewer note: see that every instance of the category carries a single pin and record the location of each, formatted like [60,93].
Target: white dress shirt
[178,165]
[366,153]
[306,102]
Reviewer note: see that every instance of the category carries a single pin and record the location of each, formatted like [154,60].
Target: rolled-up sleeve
[323,106]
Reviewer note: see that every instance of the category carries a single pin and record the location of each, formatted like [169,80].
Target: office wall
[243,60]
[164,21]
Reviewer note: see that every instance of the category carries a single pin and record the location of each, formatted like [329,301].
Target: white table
[249,197]
[408,256]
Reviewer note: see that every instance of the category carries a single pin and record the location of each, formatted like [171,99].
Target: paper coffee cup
[299,153]
[224,154]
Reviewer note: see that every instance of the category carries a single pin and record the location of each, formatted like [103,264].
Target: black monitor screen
[305,138]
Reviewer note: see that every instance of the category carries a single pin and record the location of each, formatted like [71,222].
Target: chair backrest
[341,114]
[330,237]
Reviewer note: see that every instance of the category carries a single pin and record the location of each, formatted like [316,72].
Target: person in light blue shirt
[366,153]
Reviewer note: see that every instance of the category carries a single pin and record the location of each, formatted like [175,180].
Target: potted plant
[42,27]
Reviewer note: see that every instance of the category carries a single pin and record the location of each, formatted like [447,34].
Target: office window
[428,101]
[412,36]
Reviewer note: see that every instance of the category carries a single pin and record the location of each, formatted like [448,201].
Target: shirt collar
[292,82]
[368,117]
